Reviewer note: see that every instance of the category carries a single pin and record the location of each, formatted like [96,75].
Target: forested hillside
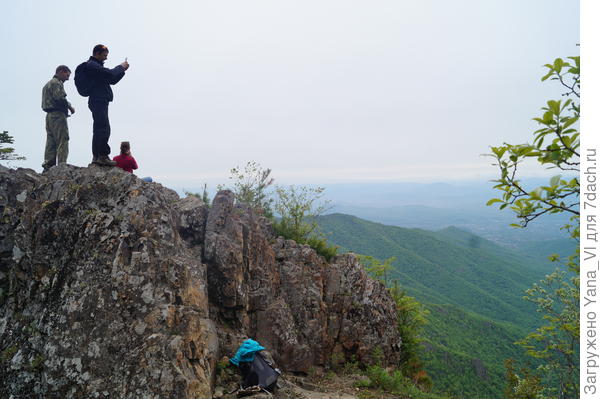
[472,288]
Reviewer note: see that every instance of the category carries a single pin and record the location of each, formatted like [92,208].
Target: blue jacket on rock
[103,78]
[246,352]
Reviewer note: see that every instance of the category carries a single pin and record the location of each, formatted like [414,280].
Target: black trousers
[101,128]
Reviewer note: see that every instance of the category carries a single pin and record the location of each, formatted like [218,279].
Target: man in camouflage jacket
[56,106]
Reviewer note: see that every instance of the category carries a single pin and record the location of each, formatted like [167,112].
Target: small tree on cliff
[375,268]
[296,207]
[8,153]
[555,145]
[251,184]
[204,196]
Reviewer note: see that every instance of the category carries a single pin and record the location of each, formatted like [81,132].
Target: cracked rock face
[114,287]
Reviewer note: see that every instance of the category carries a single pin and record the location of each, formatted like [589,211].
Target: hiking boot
[104,160]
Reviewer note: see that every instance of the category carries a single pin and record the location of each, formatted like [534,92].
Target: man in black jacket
[100,95]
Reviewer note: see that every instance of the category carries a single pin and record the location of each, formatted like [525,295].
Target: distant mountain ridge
[434,206]
[486,222]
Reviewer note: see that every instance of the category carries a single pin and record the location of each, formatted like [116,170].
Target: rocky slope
[114,287]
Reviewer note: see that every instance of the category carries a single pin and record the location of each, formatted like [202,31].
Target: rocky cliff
[114,287]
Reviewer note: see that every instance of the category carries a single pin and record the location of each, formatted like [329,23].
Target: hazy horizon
[317,91]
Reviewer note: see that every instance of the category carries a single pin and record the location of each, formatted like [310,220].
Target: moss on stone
[8,353]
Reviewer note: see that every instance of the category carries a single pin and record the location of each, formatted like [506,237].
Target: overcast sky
[319,91]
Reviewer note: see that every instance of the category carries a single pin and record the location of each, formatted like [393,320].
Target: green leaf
[539,141]
[499,151]
[493,201]
[548,117]
[558,64]
[554,257]
[576,59]
[555,179]
[536,194]
[554,106]
[570,121]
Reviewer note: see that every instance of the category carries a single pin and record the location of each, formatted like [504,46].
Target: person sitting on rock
[125,160]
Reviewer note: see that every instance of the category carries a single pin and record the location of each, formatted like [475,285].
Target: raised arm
[112,76]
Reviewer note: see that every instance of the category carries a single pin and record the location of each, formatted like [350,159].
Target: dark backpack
[259,372]
[83,81]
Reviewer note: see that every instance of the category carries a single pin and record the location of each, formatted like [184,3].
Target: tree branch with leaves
[555,145]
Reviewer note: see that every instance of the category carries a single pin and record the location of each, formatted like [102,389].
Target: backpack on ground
[260,373]
[83,81]
[256,371]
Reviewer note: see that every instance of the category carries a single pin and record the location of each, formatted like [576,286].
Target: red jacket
[126,162]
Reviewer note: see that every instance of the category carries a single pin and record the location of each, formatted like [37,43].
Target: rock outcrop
[114,287]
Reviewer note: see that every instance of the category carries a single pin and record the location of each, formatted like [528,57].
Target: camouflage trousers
[57,139]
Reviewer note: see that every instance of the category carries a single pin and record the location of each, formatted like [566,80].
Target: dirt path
[306,394]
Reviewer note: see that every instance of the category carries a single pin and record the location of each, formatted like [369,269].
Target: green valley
[472,287]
